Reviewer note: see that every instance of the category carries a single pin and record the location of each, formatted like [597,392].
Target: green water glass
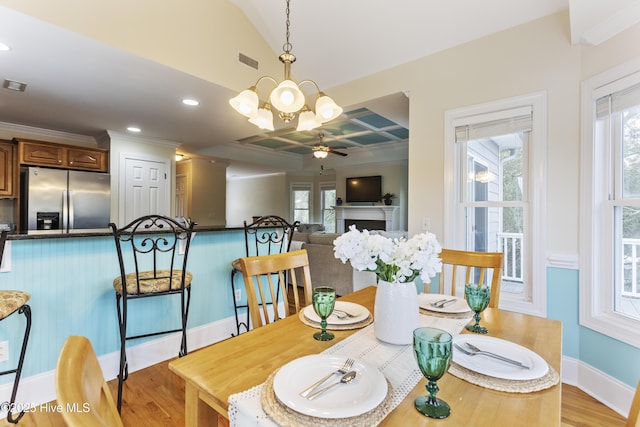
[478,297]
[324,299]
[432,348]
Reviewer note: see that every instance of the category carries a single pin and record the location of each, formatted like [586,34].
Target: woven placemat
[287,417]
[332,327]
[548,380]
[462,315]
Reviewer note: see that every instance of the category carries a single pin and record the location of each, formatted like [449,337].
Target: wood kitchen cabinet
[9,171]
[39,153]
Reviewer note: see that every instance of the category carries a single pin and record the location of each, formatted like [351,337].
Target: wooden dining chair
[152,254]
[81,388]
[266,235]
[633,420]
[266,274]
[480,264]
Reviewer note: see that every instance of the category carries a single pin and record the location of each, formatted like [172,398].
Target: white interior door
[181,196]
[146,190]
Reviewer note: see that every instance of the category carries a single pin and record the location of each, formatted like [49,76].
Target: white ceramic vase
[396,312]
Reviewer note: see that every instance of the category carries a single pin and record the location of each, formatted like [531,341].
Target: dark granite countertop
[56,234]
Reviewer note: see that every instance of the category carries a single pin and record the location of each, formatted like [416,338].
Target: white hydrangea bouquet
[393,260]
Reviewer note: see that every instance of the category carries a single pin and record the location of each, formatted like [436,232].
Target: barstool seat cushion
[149,285]
[10,301]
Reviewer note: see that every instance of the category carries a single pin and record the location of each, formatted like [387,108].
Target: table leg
[196,412]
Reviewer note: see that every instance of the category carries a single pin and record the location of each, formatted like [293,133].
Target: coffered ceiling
[354,129]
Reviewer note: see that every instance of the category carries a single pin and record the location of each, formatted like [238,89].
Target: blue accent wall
[70,282]
[562,304]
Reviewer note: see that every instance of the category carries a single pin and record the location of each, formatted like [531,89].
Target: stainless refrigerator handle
[65,211]
[71,215]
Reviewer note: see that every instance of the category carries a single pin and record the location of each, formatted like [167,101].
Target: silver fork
[445,302]
[473,352]
[342,370]
[341,314]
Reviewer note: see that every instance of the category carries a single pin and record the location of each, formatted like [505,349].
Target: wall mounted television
[364,189]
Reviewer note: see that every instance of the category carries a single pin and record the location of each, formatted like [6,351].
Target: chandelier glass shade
[287,98]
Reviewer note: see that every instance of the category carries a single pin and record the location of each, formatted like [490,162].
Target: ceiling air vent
[14,85]
[253,63]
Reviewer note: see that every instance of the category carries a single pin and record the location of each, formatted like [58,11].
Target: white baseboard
[36,391]
[602,387]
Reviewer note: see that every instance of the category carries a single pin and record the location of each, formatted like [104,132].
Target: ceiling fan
[321,151]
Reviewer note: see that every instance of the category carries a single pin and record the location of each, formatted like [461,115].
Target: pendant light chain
[287,46]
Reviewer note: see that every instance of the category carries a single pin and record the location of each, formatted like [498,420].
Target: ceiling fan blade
[339,153]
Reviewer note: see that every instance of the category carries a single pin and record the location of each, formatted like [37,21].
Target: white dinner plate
[363,394]
[360,313]
[459,306]
[495,368]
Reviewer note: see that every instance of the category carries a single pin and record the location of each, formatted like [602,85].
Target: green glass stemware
[324,299]
[432,348]
[478,297]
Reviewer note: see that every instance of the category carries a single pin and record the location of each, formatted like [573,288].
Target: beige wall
[529,58]
[258,196]
[206,191]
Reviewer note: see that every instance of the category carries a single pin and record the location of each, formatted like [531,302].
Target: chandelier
[287,98]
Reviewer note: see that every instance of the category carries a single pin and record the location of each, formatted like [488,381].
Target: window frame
[535,169]
[596,225]
[326,186]
[301,186]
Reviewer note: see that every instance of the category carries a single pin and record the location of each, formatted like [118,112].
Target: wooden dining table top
[234,365]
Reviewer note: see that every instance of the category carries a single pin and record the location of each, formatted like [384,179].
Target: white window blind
[495,124]
[618,101]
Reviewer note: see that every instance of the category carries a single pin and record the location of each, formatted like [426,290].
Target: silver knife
[496,356]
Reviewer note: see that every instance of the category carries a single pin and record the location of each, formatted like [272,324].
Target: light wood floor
[155,397]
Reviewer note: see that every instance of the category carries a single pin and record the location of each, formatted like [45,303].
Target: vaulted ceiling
[78,85]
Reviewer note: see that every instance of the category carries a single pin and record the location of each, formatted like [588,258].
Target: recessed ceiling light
[133,129]
[4,47]
[190,102]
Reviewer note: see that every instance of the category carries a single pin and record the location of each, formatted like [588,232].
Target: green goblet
[324,299]
[478,299]
[432,348]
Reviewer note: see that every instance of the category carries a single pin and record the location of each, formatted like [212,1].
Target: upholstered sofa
[325,268]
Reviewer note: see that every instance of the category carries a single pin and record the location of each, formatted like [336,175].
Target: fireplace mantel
[379,212]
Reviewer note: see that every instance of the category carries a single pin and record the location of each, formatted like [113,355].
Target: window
[610,222]
[492,203]
[301,202]
[327,201]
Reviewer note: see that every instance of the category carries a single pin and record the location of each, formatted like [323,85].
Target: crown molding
[12,130]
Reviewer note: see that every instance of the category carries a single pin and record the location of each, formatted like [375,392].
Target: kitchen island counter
[57,234]
[70,279]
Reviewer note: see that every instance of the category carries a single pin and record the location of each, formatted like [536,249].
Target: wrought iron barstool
[266,235]
[11,302]
[151,247]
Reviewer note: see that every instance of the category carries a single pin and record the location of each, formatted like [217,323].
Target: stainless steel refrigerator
[63,201]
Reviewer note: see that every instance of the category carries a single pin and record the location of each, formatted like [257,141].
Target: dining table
[216,372]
